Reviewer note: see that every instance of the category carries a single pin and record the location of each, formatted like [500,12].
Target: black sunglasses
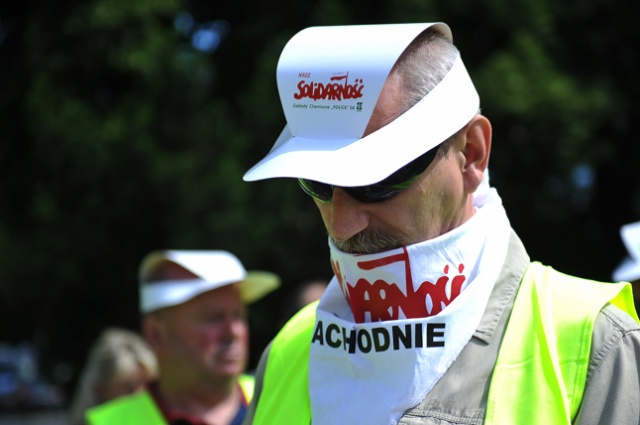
[378,192]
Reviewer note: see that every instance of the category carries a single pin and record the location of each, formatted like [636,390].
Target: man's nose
[233,327]
[348,216]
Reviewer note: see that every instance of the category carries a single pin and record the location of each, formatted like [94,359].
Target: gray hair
[423,64]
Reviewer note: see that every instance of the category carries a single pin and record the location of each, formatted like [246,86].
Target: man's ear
[476,151]
[152,329]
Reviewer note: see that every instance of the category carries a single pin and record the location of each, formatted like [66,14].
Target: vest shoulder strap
[247,383]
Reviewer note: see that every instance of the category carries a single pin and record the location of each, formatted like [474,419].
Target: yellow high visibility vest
[138,408]
[141,409]
[541,367]
[542,364]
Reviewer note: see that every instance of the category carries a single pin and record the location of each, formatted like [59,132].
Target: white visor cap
[329,80]
[629,268]
[214,269]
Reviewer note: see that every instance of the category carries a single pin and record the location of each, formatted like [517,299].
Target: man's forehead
[167,270]
[218,299]
[388,106]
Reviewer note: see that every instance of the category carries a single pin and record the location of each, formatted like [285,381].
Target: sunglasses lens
[373,193]
[321,192]
[386,189]
[396,182]
[406,175]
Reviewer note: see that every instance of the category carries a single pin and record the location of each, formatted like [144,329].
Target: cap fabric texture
[329,80]
[629,268]
[214,269]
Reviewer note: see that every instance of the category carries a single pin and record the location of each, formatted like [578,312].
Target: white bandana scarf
[390,324]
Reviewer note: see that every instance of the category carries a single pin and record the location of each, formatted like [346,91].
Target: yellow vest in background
[141,409]
[138,408]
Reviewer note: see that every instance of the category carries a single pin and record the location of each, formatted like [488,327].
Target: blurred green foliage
[119,136]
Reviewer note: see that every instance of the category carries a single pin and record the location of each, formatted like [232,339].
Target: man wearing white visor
[435,314]
[193,306]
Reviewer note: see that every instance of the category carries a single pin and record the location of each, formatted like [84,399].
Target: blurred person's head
[310,291]
[193,304]
[629,268]
[302,294]
[119,363]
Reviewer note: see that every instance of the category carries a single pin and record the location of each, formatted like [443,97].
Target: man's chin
[229,370]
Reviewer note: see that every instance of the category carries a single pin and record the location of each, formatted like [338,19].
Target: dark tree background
[127,126]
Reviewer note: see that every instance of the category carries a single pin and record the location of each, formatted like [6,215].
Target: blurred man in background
[194,319]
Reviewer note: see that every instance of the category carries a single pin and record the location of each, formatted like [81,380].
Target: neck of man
[216,403]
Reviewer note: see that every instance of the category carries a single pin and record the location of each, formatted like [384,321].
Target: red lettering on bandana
[384,300]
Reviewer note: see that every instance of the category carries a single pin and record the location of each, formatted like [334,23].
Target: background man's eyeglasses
[378,192]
